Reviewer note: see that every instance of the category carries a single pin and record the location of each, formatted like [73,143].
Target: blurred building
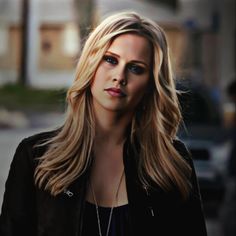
[201,36]
[55,42]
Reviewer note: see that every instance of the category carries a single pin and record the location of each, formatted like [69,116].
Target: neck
[111,127]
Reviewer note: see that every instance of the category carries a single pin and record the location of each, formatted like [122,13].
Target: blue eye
[136,69]
[110,60]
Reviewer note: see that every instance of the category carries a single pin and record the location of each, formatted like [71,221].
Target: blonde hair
[69,151]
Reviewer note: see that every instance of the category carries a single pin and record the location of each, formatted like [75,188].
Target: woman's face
[123,75]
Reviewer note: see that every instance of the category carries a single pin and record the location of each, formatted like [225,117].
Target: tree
[85,10]
[24,48]
[171,3]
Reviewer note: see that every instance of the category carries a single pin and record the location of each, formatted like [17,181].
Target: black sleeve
[18,208]
[194,218]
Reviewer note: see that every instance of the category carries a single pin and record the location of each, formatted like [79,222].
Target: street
[10,138]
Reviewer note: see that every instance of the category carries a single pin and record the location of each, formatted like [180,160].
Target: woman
[115,167]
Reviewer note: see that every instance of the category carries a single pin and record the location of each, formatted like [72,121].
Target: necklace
[111,211]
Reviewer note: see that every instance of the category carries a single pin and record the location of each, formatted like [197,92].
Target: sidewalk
[44,120]
[34,119]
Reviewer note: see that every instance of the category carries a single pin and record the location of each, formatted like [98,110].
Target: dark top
[119,221]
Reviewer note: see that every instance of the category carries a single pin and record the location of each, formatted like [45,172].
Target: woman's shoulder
[182,149]
[28,151]
[40,137]
[32,144]
[178,143]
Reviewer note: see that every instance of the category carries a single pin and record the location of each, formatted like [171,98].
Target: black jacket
[29,211]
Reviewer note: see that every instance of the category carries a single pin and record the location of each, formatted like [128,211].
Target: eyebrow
[134,61]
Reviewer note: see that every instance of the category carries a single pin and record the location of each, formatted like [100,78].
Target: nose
[120,77]
[121,81]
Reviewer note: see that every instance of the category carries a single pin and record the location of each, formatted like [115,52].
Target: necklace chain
[111,211]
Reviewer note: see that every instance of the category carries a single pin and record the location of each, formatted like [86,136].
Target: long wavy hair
[154,126]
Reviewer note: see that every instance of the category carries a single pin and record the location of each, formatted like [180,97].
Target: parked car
[205,136]
[210,158]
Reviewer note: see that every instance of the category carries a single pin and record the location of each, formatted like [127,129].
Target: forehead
[132,46]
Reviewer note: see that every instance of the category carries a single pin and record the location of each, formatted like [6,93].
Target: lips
[115,92]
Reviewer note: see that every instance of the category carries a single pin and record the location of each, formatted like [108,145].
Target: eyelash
[138,70]
[133,68]
[110,60]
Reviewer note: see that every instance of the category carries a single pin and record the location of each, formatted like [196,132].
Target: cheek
[141,87]
[97,81]
[100,75]
[138,91]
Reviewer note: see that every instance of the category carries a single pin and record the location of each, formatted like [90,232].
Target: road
[10,138]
